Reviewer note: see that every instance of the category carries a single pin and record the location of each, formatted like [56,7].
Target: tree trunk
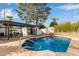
[4,20]
[36,26]
[8,32]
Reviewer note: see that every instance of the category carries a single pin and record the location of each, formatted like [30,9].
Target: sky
[65,12]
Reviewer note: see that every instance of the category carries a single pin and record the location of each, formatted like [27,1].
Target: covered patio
[15,29]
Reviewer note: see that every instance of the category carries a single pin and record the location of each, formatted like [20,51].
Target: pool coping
[49,50]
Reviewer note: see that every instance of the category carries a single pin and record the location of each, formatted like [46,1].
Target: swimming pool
[55,44]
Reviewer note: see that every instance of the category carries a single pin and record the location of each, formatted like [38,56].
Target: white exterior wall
[51,30]
[2,30]
[39,32]
[24,31]
[47,30]
[18,30]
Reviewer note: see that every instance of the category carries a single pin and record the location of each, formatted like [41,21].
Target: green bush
[67,27]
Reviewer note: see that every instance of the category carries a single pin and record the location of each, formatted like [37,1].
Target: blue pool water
[55,44]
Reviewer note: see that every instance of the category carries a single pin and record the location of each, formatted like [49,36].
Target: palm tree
[54,22]
[10,18]
[4,5]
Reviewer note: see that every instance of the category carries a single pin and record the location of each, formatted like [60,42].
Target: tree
[64,27]
[33,12]
[41,25]
[1,25]
[54,22]
[67,26]
[75,26]
[10,18]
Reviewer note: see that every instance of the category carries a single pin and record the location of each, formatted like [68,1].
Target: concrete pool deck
[13,48]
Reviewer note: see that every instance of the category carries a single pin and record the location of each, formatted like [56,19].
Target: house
[48,30]
[14,28]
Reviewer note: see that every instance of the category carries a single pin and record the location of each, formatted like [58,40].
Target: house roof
[11,23]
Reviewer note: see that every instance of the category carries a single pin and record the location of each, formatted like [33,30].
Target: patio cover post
[8,33]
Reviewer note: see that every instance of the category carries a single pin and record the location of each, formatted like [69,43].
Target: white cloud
[76,16]
[8,12]
[69,7]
